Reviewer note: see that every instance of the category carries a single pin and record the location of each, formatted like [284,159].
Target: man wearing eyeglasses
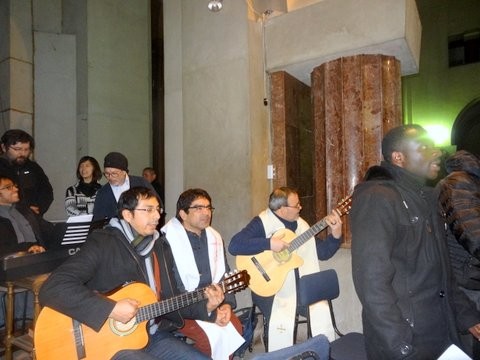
[262,234]
[20,230]
[200,260]
[36,192]
[115,170]
[129,249]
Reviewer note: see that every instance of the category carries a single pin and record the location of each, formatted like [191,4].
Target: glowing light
[440,134]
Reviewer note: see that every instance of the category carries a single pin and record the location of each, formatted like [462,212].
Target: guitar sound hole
[122,329]
[282,256]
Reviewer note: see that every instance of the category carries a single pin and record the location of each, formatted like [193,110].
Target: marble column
[356,100]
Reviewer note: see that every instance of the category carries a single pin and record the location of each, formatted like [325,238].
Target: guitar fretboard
[303,238]
[154,310]
[235,281]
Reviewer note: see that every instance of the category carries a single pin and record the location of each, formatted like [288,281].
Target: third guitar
[269,269]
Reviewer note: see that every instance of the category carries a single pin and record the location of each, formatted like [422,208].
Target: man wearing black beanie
[115,169]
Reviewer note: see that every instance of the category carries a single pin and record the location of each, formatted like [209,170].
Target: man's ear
[4,149]
[127,215]
[397,158]
[183,214]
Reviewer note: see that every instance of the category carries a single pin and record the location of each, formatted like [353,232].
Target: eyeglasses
[9,187]
[151,210]
[298,206]
[198,208]
[20,149]
[115,174]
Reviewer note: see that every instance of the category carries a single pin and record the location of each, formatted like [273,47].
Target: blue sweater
[252,240]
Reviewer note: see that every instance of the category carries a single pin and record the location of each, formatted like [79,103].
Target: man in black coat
[129,249]
[36,192]
[412,306]
[115,169]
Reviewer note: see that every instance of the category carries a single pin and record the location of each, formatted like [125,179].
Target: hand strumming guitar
[224,312]
[124,310]
[277,244]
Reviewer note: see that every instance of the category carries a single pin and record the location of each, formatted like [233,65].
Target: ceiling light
[215,5]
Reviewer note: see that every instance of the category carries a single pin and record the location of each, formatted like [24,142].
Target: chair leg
[309,328]
[265,333]
[295,329]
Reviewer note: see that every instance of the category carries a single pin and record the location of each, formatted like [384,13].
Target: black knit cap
[116,160]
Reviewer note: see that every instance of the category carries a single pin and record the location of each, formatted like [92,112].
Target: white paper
[454,353]
[80,218]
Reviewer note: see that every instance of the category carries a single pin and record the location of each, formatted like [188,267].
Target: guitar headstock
[344,206]
[235,281]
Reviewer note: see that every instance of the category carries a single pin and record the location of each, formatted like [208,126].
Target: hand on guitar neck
[334,221]
[214,296]
[278,241]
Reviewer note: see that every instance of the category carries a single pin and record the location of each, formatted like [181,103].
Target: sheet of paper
[80,218]
[454,353]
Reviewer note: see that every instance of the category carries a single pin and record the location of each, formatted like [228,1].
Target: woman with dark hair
[79,198]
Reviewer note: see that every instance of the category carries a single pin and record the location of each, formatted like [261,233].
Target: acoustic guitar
[59,337]
[269,269]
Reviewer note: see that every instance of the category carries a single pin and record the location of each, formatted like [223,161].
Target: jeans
[165,346]
[318,344]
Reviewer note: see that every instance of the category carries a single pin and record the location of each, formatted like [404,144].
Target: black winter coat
[34,187]
[459,201]
[401,270]
[105,206]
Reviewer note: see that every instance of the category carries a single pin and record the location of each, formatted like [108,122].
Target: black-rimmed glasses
[9,187]
[199,208]
[150,210]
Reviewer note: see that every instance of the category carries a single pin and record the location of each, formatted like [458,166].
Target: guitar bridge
[260,268]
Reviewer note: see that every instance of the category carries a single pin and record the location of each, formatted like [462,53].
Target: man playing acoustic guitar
[266,232]
[128,249]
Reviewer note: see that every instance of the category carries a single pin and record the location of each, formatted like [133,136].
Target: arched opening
[466,128]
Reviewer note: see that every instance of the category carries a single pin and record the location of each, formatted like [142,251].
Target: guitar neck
[303,238]
[160,308]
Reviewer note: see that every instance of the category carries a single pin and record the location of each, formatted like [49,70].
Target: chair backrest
[318,286]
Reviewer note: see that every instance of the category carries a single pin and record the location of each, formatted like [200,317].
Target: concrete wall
[87,84]
[119,88]
[16,65]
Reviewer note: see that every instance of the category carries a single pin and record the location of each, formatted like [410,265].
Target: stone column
[16,66]
[356,100]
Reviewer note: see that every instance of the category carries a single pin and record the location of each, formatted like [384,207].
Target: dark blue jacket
[105,206]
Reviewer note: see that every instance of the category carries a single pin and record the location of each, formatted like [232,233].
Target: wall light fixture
[215,5]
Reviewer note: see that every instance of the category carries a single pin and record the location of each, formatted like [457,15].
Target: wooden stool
[25,341]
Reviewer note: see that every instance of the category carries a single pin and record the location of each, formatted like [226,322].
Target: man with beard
[36,192]
[412,306]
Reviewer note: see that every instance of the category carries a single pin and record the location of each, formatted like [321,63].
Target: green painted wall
[436,95]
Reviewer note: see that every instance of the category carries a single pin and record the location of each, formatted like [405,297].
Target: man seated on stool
[20,230]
